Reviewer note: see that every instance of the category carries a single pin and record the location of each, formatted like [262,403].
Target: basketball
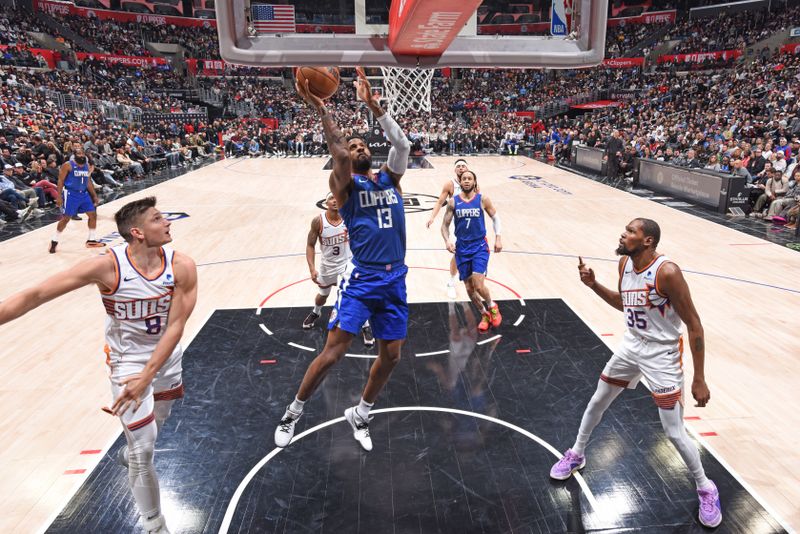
[322,81]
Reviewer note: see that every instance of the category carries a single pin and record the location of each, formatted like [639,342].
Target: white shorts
[661,365]
[329,276]
[166,386]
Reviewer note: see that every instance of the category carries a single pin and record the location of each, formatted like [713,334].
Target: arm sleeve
[496,224]
[398,155]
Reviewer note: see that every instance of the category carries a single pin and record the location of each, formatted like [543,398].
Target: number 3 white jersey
[334,242]
[138,307]
[648,313]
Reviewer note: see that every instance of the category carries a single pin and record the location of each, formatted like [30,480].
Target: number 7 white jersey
[138,308]
[648,313]
[334,242]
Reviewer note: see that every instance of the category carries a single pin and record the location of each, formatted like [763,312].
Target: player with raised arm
[655,299]
[373,286]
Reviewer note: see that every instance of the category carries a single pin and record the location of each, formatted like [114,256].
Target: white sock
[453,280]
[599,403]
[672,421]
[318,309]
[142,478]
[297,406]
[92,234]
[363,409]
[57,236]
[489,304]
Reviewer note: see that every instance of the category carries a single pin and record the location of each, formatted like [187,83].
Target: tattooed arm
[341,180]
[673,285]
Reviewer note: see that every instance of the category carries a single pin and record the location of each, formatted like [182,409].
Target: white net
[407,89]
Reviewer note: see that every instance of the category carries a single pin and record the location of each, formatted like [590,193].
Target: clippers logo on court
[138,309]
[412,202]
[537,182]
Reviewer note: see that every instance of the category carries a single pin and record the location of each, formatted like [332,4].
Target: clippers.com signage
[131,61]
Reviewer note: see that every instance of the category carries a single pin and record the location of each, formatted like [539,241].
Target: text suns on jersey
[138,309]
[333,240]
[646,297]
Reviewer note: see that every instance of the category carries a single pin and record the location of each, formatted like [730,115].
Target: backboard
[501,33]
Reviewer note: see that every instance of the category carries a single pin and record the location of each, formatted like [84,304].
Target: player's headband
[458,161]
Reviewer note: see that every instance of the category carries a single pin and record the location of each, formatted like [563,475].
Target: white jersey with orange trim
[648,313]
[456,187]
[334,243]
[138,308]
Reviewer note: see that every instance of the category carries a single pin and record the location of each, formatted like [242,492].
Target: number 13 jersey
[648,313]
[138,308]
[375,221]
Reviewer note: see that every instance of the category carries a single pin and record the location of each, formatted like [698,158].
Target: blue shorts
[377,295]
[475,263]
[76,202]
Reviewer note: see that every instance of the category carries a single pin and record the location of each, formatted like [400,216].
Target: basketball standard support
[239,46]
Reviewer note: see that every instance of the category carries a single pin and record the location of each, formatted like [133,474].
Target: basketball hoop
[407,88]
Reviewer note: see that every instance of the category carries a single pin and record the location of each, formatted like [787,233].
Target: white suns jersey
[139,307]
[334,242]
[456,187]
[648,314]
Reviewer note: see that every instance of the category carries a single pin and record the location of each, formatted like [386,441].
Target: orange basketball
[322,81]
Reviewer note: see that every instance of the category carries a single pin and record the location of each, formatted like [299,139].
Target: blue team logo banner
[558,18]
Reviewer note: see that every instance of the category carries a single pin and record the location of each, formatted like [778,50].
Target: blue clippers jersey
[375,221]
[78,178]
[470,228]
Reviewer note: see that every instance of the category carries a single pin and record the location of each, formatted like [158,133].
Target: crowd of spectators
[744,121]
[621,39]
[728,117]
[731,31]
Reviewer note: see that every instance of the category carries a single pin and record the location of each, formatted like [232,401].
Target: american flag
[269,18]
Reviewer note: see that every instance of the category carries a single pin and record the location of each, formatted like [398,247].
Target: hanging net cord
[407,89]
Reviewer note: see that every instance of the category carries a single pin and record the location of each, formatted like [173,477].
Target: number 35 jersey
[648,313]
[138,308]
[375,221]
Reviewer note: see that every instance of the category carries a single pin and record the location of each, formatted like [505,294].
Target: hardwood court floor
[246,228]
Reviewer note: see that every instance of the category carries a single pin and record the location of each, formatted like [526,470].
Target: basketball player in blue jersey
[76,195]
[374,284]
[451,188]
[471,248]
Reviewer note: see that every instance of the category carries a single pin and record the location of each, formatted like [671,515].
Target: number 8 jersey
[138,307]
[648,313]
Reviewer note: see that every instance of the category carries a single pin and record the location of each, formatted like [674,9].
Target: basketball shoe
[360,427]
[496,318]
[486,320]
[93,243]
[309,321]
[369,339]
[285,431]
[710,508]
[568,464]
